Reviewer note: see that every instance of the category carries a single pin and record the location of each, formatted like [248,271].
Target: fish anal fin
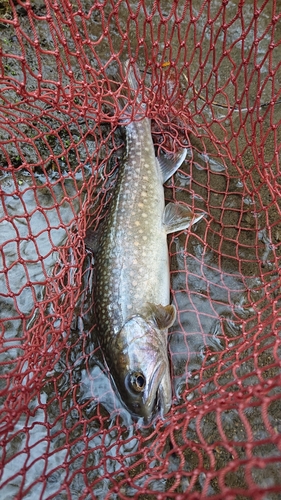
[170,162]
[162,316]
[178,217]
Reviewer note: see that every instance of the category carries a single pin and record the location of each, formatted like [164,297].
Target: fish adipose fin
[170,162]
[178,217]
[162,316]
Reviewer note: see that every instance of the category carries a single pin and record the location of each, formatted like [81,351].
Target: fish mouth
[158,401]
[164,396]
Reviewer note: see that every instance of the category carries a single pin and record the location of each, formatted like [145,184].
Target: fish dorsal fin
[178,217]
[162,316]
[170,162]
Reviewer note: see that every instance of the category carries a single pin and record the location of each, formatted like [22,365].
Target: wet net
[211,77]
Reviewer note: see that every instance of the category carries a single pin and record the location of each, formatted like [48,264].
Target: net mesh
[211,72]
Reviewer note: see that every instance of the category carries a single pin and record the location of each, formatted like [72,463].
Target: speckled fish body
[132,292]
[132,261]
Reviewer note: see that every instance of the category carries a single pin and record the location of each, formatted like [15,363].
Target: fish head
[141,368]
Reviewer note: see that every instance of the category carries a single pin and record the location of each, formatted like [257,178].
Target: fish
[132,277]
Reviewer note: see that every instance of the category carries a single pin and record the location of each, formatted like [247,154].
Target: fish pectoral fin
[93,236]
[178,217]
[162,316]
[170,162]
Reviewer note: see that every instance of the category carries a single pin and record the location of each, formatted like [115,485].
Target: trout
[132,289]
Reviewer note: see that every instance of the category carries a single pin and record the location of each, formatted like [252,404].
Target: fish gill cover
[211,77]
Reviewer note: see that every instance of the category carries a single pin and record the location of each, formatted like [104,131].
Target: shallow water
[71,437]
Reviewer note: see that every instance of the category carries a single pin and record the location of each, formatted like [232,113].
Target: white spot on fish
[144,214]
[137,222]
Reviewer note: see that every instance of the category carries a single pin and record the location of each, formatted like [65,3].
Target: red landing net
[211,73]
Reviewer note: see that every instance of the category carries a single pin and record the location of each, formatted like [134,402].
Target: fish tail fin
[132,105]
[132,74]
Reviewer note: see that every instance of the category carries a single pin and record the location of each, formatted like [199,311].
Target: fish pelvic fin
[170,162]
[178,217]
[162,316]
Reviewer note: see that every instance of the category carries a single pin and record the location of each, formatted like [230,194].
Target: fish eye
[137,381]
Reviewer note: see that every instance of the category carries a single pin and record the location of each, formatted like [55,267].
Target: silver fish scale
[132,260]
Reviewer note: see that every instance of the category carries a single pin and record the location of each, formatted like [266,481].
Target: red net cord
[210,75]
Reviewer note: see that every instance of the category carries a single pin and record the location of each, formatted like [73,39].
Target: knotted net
[211,77]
